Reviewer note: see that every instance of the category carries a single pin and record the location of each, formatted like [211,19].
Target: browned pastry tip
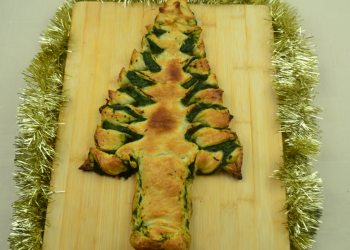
[209,96]
[234,169]
[149,27]
[86,166]
[109,163]
[200,66]
[133,58]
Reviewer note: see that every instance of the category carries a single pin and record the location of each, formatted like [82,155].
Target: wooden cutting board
[94,212]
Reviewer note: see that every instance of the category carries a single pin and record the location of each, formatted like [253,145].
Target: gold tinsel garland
[296,76]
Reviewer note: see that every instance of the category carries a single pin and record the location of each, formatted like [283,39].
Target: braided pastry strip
[166,123]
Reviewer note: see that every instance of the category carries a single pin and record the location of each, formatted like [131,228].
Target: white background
[21,22]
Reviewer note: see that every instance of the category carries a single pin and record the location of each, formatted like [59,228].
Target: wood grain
[94,212]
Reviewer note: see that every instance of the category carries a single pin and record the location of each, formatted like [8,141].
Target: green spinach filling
[188,45]
[194,34]
[192,130]
[158,32]
[186,198]
[198,87]
[138,81]
[97,168]
[129,172]
[151,64]
[131,135]
[226,147]
[141,98]
[154,47]
[136,210]
[126,109]
[199,108]
[189,62]
[195,79]
[191,173]
[138,224]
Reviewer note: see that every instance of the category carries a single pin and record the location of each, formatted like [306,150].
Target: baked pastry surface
[166,123]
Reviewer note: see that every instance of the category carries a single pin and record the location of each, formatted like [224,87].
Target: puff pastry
[166,123]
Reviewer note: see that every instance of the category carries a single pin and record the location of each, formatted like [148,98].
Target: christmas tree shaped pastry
[166,123]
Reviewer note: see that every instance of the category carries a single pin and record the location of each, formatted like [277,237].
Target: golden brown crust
[163,129]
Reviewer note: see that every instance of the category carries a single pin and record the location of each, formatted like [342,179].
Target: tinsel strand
[295,78]
[37,119]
